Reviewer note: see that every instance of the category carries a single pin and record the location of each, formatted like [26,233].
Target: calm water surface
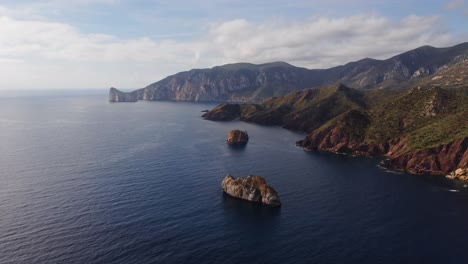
[86,181]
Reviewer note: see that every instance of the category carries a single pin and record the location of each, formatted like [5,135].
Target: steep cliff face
[251,188]
[244,82]
[118,96]
[234,82]
[442,159]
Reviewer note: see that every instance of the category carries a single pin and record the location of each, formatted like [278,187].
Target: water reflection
[237,148]
[249,210]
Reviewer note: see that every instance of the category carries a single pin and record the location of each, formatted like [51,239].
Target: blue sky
[129,44]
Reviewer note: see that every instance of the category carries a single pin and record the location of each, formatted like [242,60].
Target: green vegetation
[424,117]
[427,117]
[442,131]
[306,110]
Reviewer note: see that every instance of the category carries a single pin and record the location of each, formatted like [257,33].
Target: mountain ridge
[247,82]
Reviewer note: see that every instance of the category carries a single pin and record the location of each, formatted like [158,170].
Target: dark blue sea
[87,181]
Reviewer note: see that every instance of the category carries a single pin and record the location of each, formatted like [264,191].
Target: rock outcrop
[251,188]
[237,137]
[459,174]
[438,160]
[118,96]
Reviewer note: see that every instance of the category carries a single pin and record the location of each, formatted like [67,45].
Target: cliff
[118,96]
[251,188]
[244,82]
[442,159]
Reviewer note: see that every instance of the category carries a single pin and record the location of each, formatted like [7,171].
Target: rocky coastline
[441,160]
[423,130]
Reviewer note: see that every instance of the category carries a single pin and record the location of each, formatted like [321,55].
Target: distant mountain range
[244,82]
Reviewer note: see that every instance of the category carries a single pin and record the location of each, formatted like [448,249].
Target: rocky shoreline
[459,174]
[440,160]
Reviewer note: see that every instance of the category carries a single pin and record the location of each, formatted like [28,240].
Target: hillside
[421,129]
[244,82]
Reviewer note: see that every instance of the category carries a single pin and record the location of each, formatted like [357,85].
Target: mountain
[422,130]
[233,82]
[245,82]
[303,111]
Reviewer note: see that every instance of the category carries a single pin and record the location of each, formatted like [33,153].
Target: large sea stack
[251,188]
[237,137]
[116,95]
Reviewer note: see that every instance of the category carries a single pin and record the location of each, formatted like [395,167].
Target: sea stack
[251,188]
[116,95]
[237,137]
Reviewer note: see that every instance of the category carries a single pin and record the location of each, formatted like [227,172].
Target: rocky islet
[237,137]
[251,188]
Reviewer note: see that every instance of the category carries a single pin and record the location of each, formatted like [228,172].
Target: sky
[128,44]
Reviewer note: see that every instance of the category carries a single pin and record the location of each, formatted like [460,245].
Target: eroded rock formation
[459,174]
[116,95]
[251,188]
[237,137]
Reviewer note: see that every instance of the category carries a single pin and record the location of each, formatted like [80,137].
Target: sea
[83,180]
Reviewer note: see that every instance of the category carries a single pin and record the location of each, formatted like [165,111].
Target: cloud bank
[59,55]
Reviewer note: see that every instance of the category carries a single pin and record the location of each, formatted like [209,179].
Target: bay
[87,181]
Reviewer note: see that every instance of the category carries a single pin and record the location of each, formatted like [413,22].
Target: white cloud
[325,42]
[57,55]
